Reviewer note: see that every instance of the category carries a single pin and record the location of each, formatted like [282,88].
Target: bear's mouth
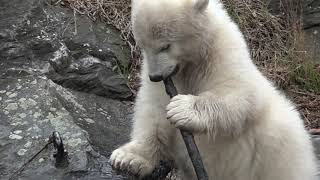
[166,73]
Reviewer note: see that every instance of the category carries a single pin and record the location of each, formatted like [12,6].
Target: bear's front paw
[125,159]
[181,113]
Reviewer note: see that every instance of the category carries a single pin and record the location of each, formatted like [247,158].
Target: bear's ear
[201,5]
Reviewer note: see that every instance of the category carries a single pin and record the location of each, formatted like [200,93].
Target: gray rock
[88,74]
[312,27]
[53,38]
[33,107]
[316,144]
[58,75]
[313,42]
[311,13]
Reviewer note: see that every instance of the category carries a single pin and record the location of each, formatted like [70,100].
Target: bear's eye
[165,48]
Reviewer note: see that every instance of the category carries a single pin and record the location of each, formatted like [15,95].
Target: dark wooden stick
[192,148]
[314,131]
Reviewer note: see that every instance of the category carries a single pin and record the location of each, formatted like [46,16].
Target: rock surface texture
[59,73]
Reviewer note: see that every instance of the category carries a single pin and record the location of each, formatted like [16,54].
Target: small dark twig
[188,138]
[60,155]
[29,161]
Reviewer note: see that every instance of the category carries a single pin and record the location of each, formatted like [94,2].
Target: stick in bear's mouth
[188,139]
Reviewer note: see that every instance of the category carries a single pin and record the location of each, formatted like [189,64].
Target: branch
[188,139]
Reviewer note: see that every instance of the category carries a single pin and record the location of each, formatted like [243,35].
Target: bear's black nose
[164,74]
[155,77]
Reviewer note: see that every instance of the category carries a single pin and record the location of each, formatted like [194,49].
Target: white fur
[244,128]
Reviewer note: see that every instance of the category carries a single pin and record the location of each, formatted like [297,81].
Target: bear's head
[170,33]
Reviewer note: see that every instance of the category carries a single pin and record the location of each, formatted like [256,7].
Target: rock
[311,13]
[62,44]
[89,74]
[312,27]
[58,75]
[26,134]
[316,144]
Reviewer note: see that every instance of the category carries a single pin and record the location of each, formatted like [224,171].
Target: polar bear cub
[244,127]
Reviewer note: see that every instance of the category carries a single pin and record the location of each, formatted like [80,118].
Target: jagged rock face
[311,13]
[44,54]
[60,72]
[72,50]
